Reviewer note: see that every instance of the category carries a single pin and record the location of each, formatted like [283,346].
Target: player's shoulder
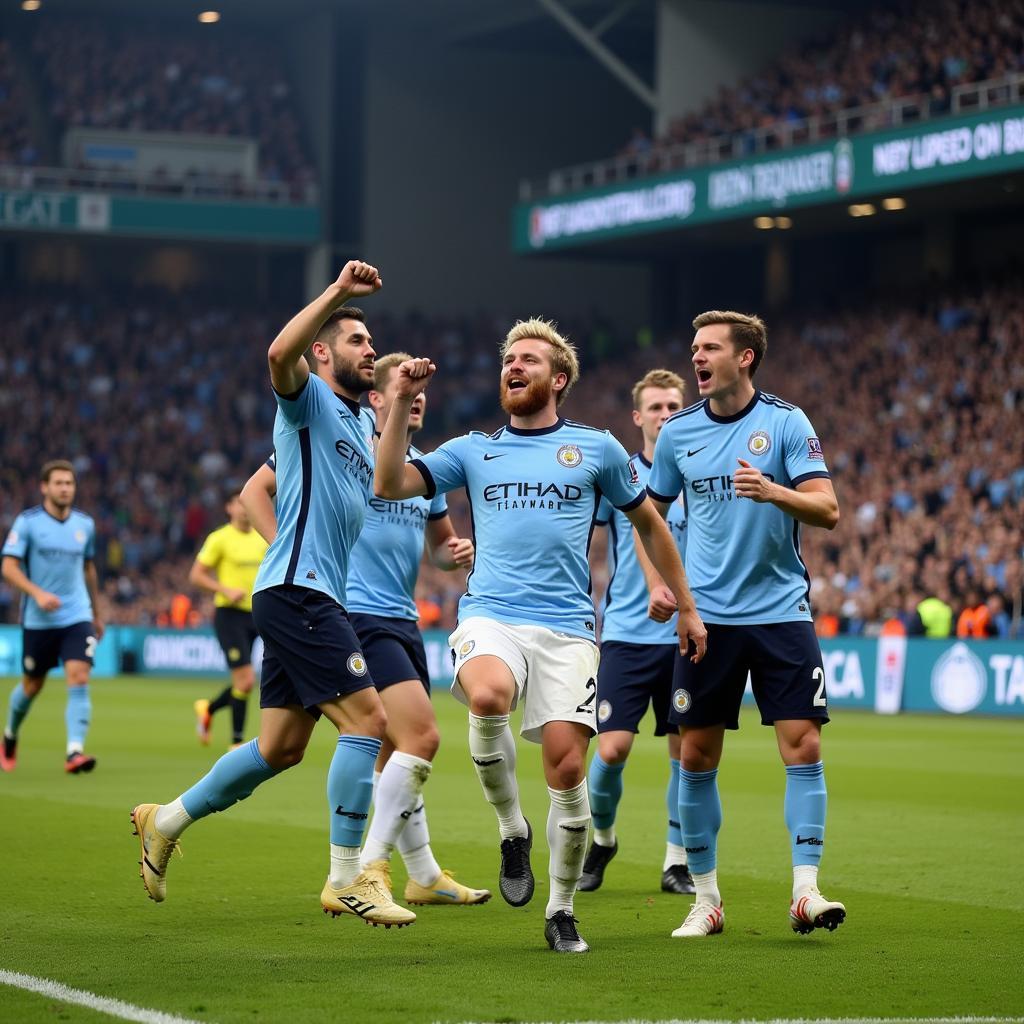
[82,515]
[677,418]
[576,425]
[32,512]
[774,402]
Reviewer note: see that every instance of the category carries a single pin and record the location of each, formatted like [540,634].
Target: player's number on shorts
[90,646]
[587,706]
[819,698]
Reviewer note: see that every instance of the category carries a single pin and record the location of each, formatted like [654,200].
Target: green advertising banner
[927,153]
[159,218]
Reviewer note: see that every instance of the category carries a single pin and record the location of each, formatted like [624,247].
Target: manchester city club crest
[356,664]
[467,648]
[759,442]
[681,701]
[569,455]
[604,711]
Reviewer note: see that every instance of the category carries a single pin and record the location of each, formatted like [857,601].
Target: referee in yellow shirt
[226,565]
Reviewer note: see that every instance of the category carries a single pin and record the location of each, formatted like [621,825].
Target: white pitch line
[113,1007]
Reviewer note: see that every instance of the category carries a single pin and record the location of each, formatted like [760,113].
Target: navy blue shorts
[630,677]
[236,633]
[786,673]
[42,649]
[311,653]
[393,649]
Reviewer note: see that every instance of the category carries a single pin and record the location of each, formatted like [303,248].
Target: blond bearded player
[526,624]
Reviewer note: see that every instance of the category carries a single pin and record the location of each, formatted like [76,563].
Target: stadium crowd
[164,404]
[16,147]
[895,51]
[139,78]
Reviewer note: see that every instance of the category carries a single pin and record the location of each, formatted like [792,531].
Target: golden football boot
[367,898]
[444,891]
[156,851]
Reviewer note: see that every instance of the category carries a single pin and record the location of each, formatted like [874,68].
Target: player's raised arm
[393,477]
[257,498]
[664,556]
[288,368]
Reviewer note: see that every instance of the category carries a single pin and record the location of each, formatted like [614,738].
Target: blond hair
[656,379]
[563,351]
[745,332]
[382,368]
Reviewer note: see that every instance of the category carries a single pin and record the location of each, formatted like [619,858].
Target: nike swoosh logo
[487,458]
[690,454]
[447,892]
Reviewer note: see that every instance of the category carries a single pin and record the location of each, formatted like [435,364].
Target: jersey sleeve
[210,553]
[16,543]
[438,507]
[444,469]
[272,461]
[604,511]
[303,407]
[804,458]
[90,541]
[618,478]
[665,481]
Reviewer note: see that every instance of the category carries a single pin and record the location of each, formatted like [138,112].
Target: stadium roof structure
[506,24]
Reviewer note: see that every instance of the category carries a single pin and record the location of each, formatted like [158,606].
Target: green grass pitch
[925,842]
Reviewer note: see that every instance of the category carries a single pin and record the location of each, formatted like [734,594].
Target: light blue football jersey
[53,553]
[742,557]
[386,558]
[624,607]
[324,467]
[533,496]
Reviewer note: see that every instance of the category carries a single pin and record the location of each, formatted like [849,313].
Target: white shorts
[555,674]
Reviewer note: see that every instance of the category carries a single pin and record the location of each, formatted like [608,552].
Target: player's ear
[637,420]
[559,382]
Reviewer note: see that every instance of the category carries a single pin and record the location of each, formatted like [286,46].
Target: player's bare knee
[281,757]
[373,723]
[488,703]
[804,748]
[614,750]
[566,771]
[32,686]
[427,744]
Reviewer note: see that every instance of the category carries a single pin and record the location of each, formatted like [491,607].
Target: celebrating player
[48,556]
[313,663]
[752,471]
[526,623]
[637,658]
[381,582]
[226,566]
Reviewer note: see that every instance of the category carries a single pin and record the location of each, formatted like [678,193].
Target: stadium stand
[138,78]
[163,402]
[16,146]
[894,52]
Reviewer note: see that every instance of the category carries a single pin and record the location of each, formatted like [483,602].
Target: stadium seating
[163,402]
[892,52]
[139,78]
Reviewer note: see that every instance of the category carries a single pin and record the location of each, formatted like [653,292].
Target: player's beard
[527,402]
[349,377]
